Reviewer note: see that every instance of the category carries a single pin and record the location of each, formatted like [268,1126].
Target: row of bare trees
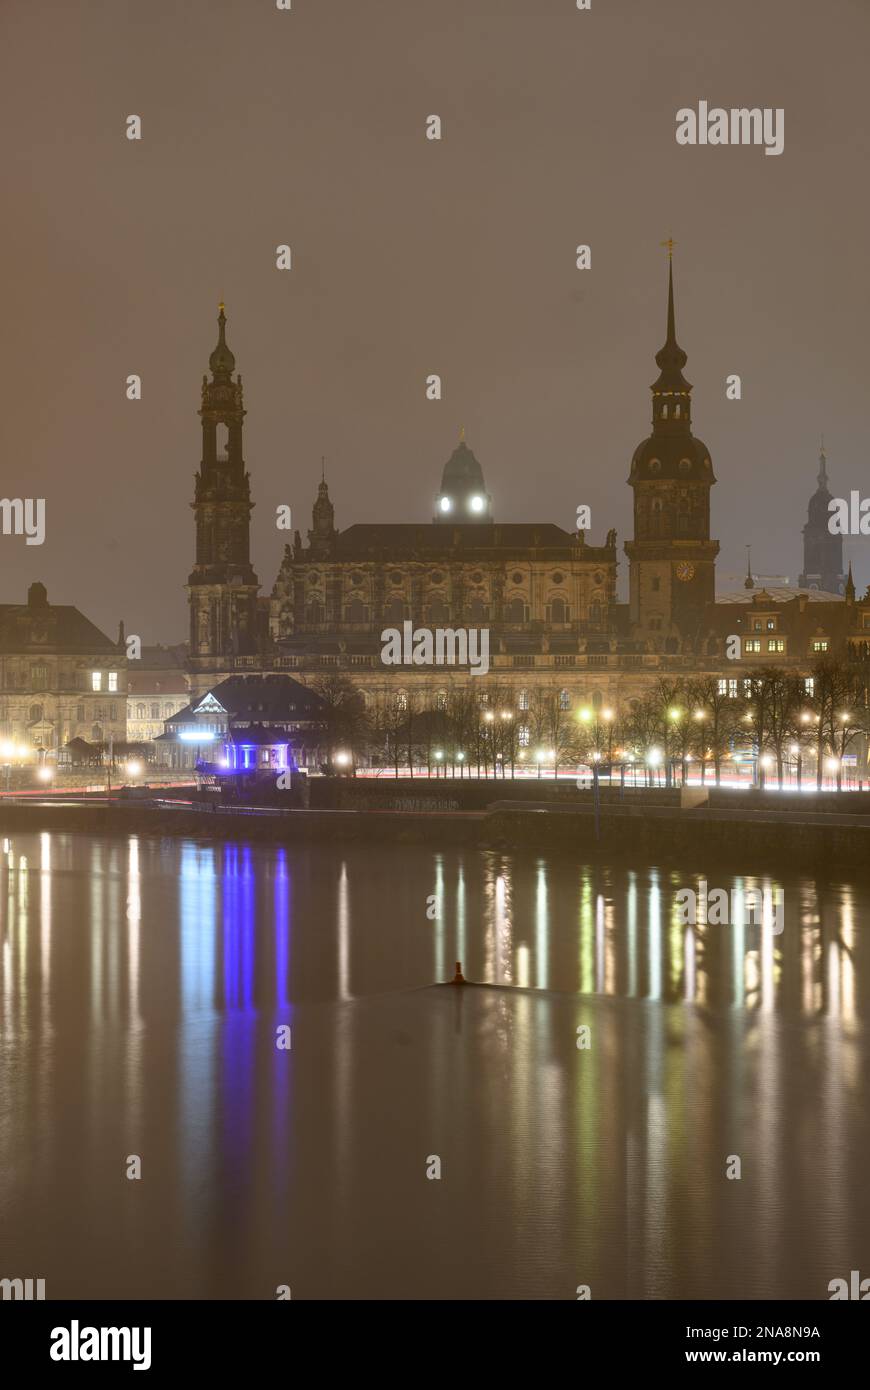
[777,716]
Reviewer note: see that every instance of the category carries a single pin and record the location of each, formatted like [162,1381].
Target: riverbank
[631,831]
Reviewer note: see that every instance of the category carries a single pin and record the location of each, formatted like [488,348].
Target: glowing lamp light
[44,774]
[767,761]
[477,503]
[7,749]
[596,757]
[134,768]
[832,764]
[607,715]
[795,749]
[654,756]
[674,713]
[438,754]
[445,504]
[585,715]
[489,716]
[196,736]
[460,757]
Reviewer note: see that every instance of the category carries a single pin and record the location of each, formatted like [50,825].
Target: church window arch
[664,412]
[516,610]
[558,611]
[564,699]
[523,700]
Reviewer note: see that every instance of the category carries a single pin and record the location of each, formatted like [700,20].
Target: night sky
[409,257]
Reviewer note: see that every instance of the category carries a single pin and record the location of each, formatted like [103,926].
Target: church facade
[547,597]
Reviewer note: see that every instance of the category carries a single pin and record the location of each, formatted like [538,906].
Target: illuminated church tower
[671,556]
[222,586]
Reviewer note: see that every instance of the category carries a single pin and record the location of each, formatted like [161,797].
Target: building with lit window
[60,677]
[157,688]
[545,595]
[248,723]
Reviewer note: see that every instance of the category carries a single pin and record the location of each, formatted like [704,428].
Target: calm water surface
[142,984]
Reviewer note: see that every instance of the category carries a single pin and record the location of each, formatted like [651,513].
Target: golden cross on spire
[670,244]
[221,306]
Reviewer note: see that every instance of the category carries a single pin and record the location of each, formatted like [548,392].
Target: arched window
[314,613]
[595,612]
[564,700]
[558,611]
[356,611]
[394,611]
[676,412]
[523,700]
[140,711]
[664,412]
[515,611]
[477,610]
[155,711]
[401,699]
[35,713]
[437,610]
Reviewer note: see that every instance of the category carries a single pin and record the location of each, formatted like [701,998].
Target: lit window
[401,699]
[752,644]
[523,735]
[732,688]
[776,644]
[810,685]
[820,646]
[96,680]
[771,624]
[113,680]
[523,700]
[564,700]
[722,687]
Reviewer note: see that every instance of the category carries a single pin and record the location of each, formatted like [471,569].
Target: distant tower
[463,496]
[672,559]
[323,532]
[222,586]
[823,553]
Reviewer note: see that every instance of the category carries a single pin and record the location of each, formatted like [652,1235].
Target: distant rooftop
[779,594]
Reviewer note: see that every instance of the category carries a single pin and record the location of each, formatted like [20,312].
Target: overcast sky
[410,257]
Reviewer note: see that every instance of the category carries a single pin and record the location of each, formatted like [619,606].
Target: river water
[144,984]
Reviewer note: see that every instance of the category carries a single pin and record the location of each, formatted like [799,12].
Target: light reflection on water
[142,984]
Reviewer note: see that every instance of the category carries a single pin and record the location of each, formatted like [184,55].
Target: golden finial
[221,306]
[462,434]
[670,244]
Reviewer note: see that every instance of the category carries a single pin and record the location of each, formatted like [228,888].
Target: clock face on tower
[685,571]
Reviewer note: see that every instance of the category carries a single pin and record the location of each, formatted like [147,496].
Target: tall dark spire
[822,478]
[671,359]
[849,590]
[222,362]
